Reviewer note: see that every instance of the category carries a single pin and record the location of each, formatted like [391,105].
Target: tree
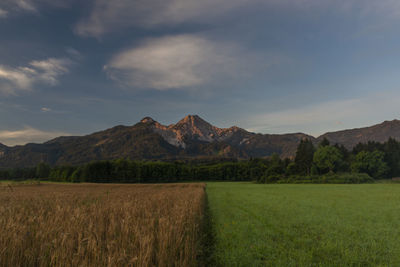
[392,157]
[324,142]
[304,156]
[371,163]
[42,170]
[276,166]
[292,169]
[328,158]
[345,167]
[370,146]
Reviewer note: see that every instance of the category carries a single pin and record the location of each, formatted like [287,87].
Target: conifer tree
[304,156]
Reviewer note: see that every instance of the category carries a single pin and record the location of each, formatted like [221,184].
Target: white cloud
[74,53]
[176,62]
[28,135]
[23,78]
[27,5]
[3,13]
[19,5]
[106,15]
[49,70]
[328,116]
[30,6]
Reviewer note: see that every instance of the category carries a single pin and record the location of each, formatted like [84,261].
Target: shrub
[338,178]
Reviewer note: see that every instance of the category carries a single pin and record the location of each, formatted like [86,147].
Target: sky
[70,67]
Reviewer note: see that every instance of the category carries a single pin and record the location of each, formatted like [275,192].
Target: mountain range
[191,137]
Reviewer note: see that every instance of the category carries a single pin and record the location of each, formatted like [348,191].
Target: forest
[321,163]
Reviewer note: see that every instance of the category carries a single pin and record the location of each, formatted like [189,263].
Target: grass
[22,182]
[101,225]
[305,225]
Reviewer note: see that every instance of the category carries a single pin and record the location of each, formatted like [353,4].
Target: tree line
[128,171]
[321,163]
[324,162]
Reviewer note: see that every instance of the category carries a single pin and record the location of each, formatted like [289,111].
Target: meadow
[100,225]
[305,225]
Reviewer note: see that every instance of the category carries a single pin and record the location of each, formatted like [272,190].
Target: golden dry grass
[100,225]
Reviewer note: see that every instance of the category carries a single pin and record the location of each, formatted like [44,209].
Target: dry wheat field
[101,225]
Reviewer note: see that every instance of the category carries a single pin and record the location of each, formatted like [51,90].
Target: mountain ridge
[190,137]
[351,137]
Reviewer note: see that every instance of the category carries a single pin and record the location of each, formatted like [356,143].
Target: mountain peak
[147,120]
[192,119]
[193,127]
[194,123]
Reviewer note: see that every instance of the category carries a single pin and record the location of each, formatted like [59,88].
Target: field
[235,224]
[100,225]
[305,225]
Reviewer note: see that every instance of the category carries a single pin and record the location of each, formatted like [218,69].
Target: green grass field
[305,225]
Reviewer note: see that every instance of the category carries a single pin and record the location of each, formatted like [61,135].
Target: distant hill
[191,137]
[379,133]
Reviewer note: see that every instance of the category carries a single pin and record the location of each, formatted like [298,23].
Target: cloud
[28,135]
[176,62]
[26,5]
[31,6]
[328,116]
[3,13]
[50,69]
[23,78]
[107,16]
[19,5]
[74,53]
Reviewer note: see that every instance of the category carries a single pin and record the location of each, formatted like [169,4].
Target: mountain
[192,129]
[191,137]
[378,133]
